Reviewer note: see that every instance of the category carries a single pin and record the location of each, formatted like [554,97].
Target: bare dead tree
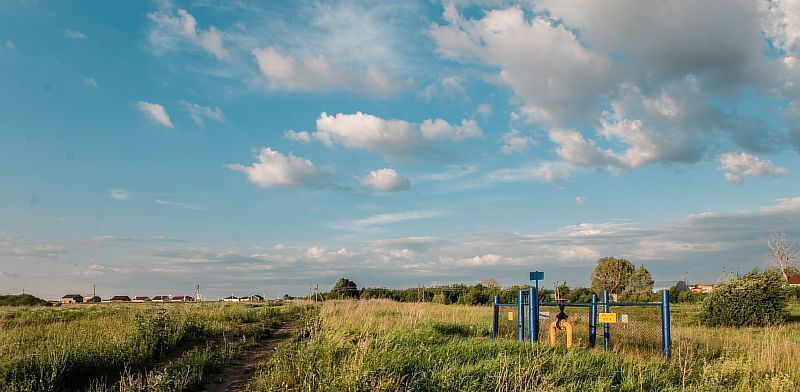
[490,282]
[782,253]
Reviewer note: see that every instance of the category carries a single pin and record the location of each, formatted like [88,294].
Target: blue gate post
[666,332]
[536,311]
[593,321]
[534,298]
[520,317]
[495,317]
[606,331]
[532,315]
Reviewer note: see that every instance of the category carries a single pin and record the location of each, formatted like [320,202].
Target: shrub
[794,293]
[22,300]
[755,299]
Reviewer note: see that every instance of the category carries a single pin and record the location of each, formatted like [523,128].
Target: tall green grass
[380,345]
[63,349]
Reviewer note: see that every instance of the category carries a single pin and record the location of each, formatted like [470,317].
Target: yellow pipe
[564,325]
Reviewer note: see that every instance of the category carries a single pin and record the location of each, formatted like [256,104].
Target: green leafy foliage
[611,274]
[22,300]
[755,299]
[345,288]
[639,286]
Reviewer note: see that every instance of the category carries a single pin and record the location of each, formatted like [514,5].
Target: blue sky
[146,147]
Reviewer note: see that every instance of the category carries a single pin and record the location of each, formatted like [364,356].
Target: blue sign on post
[533,303]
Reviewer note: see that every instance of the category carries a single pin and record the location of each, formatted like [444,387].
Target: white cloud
[119,194]
[700,243]
[543,62]
[484,260]
[515,142]
[10,44]
[170,30]
[316,73]
[389,218]
[580,200]
[439,129]
[542,172]
[155,112]
[185,206]
[73,34]
[301,136]
[451,172]
[199,112]
[484,110]
[783,24]
[377,83]
[391,138]
[90,82]
[285,73]
[737,166]
[642,145]
[100,270]
[663,95]
[315,252]
[448,86]
[578,253]
[276,169]
[385,180]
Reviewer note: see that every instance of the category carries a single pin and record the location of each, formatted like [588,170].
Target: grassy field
[380,345]
[166,347]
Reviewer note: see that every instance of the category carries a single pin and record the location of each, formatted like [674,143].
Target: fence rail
[637,330]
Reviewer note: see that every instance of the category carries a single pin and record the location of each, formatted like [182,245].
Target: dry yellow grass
[384,345]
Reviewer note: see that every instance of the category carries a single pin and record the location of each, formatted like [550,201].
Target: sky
[260,147]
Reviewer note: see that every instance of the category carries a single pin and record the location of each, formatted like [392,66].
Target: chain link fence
[638,328]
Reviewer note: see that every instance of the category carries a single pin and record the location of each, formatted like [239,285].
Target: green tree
[344,288]
[755,299]
[676,291]
[639,286]
[562,290]
[441,298]
[611,274]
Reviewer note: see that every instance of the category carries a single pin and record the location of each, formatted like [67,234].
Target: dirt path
[241,370]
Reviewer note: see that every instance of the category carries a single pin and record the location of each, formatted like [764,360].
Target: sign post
[606,329]
[534,300]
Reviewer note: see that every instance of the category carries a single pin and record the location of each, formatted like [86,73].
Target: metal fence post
[495,317]
[535,325]
[666,331]
[520,317]
[606,329]
[593,321]
[531,317]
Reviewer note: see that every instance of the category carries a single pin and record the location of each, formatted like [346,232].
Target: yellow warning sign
[607,317]
[511,316]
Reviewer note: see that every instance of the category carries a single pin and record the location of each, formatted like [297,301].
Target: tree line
[620,277]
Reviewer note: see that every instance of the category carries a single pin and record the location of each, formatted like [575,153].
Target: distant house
[91,298]
[161,298]
[231,299]
[702,288]
[120,298]
[793,281]
[253,298]
[182,298]
[141,299]
[71,299]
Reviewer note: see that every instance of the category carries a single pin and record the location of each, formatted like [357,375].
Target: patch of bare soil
[238,373]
